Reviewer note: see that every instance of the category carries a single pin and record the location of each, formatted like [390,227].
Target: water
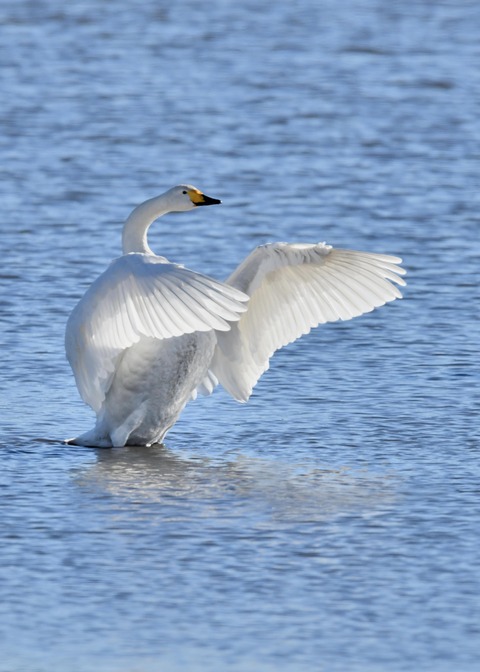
[331,523]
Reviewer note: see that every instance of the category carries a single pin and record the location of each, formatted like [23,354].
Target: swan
[149,334]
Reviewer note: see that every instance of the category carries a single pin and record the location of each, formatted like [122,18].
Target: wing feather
[174,311]
[293,288]
[184,304]
[141,295]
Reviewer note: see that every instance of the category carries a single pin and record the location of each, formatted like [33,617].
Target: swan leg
[120,435]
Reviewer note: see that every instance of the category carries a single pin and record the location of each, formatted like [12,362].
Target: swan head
[186,197]
[181,198]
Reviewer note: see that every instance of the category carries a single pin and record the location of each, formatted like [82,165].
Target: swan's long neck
[134,236]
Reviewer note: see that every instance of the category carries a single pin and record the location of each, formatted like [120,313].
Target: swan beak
[209,201]
[198,198]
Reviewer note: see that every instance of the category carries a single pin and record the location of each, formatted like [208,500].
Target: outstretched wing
[141,295]
[292,288]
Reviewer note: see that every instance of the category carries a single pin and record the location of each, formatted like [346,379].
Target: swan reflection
[236,482]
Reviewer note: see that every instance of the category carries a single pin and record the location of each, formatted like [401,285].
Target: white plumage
[148,333]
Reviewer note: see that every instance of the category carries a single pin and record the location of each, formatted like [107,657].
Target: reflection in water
[279,489]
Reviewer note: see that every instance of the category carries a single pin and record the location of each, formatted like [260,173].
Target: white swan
[148,334]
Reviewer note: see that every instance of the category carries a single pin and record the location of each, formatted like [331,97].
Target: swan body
[149,334]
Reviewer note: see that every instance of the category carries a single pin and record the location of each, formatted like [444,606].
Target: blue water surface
[332,523]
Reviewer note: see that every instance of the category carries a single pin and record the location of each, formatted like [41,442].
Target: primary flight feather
[148,333]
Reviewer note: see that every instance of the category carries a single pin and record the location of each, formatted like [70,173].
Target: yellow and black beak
[198,198]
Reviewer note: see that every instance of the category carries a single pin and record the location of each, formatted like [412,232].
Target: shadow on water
[280,490]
